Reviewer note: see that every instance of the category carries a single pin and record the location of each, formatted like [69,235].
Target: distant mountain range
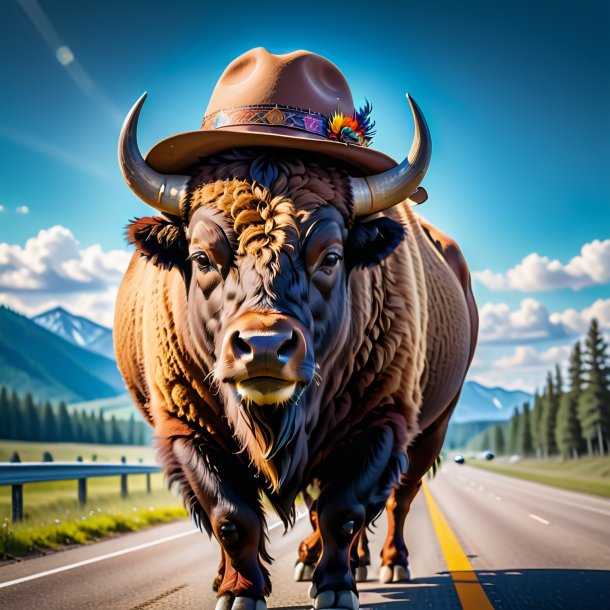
[480,403]
[78,331]
[57,355]
[34,359]
[479,408]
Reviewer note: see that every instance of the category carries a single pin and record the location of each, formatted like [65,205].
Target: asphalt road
[530,546]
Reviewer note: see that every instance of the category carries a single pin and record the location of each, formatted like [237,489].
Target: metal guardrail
[18,474]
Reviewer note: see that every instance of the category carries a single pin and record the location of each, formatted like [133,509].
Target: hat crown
[300,79]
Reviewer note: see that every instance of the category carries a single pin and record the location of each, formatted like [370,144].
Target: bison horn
[382,191]
[162,192]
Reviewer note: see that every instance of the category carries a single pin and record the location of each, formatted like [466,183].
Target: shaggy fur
[391,354]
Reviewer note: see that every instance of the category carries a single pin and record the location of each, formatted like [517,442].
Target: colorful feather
[356,128]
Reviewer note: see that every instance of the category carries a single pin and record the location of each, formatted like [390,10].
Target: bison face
[268,301]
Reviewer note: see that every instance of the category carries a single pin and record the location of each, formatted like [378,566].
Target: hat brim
[177,154]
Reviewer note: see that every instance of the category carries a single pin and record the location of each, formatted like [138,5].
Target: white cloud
[577,322]
[2,209]
[52,269]
[533,322]
[524,368]
[53,262]
[526,356]
[528,323]
[22,209]
[540,273]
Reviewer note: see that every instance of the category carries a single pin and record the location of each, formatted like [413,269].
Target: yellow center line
[469,589]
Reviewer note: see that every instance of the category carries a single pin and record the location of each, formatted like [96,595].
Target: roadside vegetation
[52,515]
[64,522]
[585,475]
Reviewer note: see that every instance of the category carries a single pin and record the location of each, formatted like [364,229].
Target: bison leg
[423,453]
[233,514]
[310,548]
[361,557]
[394,554]
[355,485]
[221,572]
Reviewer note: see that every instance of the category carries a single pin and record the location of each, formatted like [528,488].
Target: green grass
[52,515]
[585,475]
[63,523]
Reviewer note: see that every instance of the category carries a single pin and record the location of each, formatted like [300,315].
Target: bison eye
[330,260]
[202,260]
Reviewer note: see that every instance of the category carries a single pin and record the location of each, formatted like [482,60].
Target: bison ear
[159,239]
[370,242]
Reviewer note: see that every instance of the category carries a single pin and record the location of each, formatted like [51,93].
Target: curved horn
[160,191]
[382,191]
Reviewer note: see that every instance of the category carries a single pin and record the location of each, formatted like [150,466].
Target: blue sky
[516,94]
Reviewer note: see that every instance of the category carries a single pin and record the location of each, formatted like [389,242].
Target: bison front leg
[356,483]
[422,455]
[228,496]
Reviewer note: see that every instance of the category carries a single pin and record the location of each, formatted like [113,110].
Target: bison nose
[267,345]
[270,345]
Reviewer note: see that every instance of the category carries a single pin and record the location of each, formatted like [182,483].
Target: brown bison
[291,322]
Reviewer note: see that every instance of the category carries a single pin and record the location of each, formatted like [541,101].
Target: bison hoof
[396,573]
[303,571]
[361,574]
[331,600]
[228,602]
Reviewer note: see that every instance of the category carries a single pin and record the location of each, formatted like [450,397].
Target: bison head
[266,244]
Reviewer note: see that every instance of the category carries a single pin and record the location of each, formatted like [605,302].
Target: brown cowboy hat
[280,101]
[241,113]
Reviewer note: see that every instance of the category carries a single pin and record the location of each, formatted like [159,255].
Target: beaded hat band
[349,129]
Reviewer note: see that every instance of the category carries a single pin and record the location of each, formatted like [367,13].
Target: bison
[287,322]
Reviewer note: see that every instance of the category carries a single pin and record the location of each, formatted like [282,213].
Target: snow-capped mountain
[480,403]
[78,331]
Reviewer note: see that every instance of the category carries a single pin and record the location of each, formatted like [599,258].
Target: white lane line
[525,488]
[79,564]
[539,519]
[132,549]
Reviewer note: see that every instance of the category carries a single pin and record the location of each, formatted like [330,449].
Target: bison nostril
[241,348]
[288,347]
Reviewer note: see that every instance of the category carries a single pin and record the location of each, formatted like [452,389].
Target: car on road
[459,459]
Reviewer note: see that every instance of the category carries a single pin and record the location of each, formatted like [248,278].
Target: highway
[530,546]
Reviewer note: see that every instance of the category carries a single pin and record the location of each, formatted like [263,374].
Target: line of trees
[21,418]
[570,418]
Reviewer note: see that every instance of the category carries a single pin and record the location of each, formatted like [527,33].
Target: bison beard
[272,426]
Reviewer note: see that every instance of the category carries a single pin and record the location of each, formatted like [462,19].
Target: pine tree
[131,431]
[115,434]
[499,444]
[513,437]
[15,407]
[30,428]
[64,424]
[594,403]
[536,423]
[5,413]
[568,431]
[100,429]
[550,406]
[527,441]
[91,427]
[49,425]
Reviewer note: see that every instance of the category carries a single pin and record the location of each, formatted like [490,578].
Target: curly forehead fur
[304,182]
[263,224]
